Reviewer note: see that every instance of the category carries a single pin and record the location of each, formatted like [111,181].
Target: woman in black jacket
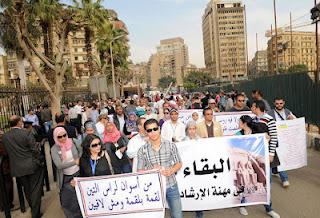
[94,161]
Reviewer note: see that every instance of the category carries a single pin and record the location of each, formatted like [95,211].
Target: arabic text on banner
[292,149]
[230,121]
[123,195]
[224,172]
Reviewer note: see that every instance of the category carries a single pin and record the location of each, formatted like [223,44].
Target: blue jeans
[174,201]
[47,126]
[268,207]
[283,174]
[199,214]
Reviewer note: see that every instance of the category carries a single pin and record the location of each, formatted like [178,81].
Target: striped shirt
[272,130]
[167,156]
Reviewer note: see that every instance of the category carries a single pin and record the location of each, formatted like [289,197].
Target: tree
[299,68]
[18,19]
[90,16]
[196,79]
[164,82]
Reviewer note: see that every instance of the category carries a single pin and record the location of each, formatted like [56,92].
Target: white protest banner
[122,196]
[292,139]
[230,121]
[186,115]
[224,172]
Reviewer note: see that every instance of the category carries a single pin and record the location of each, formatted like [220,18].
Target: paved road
[300,200]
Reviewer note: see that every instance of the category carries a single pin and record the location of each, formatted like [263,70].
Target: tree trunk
[88,36]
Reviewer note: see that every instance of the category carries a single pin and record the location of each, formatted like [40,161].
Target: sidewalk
[300,200]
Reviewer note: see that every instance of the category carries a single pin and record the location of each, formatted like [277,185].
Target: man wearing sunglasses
[162,154]
[239,104]
[281,113]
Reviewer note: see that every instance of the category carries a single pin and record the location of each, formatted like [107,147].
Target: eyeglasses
[95,145]
[279,103]
[154,129]
[62,136]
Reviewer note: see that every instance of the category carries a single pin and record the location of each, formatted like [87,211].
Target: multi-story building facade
[4,74]
[259,64]
[302,50]
[224,39]
[171,58]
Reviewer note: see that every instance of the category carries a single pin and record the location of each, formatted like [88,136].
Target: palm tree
[46,12]
[91,16]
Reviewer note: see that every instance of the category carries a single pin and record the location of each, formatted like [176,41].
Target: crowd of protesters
[119,136]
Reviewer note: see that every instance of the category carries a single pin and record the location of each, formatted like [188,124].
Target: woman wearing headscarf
[94,160]
[65,155]
[166,116]
[132,122]
[191,134]
[117,144]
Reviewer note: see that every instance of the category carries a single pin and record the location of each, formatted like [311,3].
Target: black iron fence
[17,102]
[301,93]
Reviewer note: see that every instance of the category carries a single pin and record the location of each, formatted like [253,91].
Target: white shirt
[121,122]
[78,109]
[170,130]
[150,116]
[283,114]
[72,113]
[100,128]
[73,169]
[133,147]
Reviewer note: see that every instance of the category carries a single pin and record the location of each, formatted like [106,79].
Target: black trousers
[68,198]
[33,187]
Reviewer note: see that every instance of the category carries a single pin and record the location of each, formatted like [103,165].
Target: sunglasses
[279,103]
[95,145]
[62,136]
[154,129]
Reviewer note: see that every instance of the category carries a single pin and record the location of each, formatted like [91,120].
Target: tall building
[301,51]
[4,74]
[259,64]
[224,39]
[171,58]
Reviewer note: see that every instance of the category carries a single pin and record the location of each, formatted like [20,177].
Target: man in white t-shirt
[173,130]
[136,142]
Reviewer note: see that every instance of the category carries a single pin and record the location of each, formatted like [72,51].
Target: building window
[76,58]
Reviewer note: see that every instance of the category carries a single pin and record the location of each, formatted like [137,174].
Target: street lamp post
[112,66]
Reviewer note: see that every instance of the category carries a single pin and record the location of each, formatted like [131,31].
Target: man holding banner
[162,154]
[281,113]
[258,108]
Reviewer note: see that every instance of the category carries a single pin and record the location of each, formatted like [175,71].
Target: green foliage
[164,82]
[299,68]
[196,79]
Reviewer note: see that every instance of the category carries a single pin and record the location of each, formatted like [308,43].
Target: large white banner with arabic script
[224,172]
[140,194]
[292,150]
[230,121]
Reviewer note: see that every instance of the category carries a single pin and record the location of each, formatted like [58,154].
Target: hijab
[66,146]
[113,136]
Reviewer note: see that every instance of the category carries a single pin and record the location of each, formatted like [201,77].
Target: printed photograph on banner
[186,116]
[125,195]
[230,121]
[224,172]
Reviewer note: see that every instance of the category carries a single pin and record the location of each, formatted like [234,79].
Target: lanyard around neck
[93,164]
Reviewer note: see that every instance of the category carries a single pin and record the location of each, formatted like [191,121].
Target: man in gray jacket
[25,163]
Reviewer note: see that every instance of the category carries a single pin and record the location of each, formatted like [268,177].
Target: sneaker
[285,184]
[273,214]
[243,211]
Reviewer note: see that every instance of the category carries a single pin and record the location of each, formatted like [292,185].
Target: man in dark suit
[24,161]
